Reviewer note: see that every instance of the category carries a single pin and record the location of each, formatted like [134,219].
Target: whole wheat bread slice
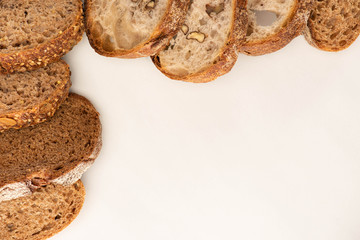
[132,28]
[57,151]
[36,33]
[290,20]
[32,97]
[333,25]
[46,212]
[204,48]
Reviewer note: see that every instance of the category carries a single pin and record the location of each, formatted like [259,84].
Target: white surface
[268,151]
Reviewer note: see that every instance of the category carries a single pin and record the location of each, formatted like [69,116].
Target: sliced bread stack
[49,137]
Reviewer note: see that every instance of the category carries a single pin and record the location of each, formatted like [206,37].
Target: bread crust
[227,56]
[41,112]
[47,52]
[309,34]
[292,29]
[33,180]
[166,29]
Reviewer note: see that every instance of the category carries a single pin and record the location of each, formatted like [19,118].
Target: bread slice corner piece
[333,25]
[57,151]
[205,46]
[29,98]
[36,33]
[273,24]
[132,28]
[46,212]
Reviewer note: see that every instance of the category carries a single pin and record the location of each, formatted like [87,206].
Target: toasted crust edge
[41,112]
[293,28]
[47,52]
[228,55]
[25,187]
[166,29]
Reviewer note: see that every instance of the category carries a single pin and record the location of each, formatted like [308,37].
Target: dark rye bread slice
[32,97]
[205,47]
[132,28]
[333,25]
[57,151]
[290,20]
[35,33]
[46,212]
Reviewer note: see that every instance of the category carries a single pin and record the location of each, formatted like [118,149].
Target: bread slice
[36,33]
[289,19]
[333,25]
[56,151]
[205,48]
[132,28]
[46,212]
[32,97]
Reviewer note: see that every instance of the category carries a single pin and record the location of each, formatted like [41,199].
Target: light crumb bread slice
[266,35]
[32,97]
[43,214]
[333,25]
[204,48]
[35,33]
[57,151]
[132,28]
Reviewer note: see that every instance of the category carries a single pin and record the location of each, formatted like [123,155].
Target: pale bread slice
[46,212]
[290,20]
[204,48]
[57,151]
[333,25]
[132,28]
[36,33]
[29,98]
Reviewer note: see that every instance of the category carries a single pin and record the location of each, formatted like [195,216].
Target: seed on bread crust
[8,122]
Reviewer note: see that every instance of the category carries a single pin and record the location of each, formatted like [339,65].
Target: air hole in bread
[265,18]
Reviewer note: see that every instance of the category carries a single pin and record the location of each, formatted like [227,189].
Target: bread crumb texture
[334,25]
[277,12]
[41,215]
[201,39]
[25,24]
[31,97]
[38,154]
[125,24]
[35,33]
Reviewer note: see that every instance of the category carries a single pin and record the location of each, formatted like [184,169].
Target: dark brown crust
[46,53]
[167,28]
[41,112]
[293,28]
[227,57]
[46,176]
[309,34]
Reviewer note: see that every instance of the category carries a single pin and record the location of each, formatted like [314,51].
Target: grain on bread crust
[293,27]
[169,24]
[333,25]
[45,213]
[227,54]
[42,54]
[37,111]
[56,151]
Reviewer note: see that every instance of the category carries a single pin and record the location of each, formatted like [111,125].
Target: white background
[268,151]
